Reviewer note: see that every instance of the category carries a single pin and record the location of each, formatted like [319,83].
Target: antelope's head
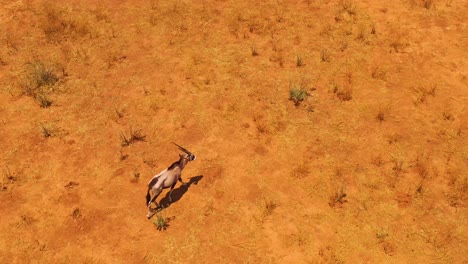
[188,155]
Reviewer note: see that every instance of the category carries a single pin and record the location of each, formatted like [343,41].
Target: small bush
[297,95]
[38,76]
[161,222]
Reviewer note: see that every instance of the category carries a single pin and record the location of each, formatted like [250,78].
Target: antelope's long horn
[181,148]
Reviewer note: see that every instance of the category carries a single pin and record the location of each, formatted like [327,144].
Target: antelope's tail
[148,196]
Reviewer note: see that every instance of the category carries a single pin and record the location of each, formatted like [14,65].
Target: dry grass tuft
[134,136]
[43,100]
[161,222]
[254,51]
[60,24]
[301,171]
[347,10]
[47,130]
[269,207]
[377,72]
[8,178]
[325,55]
[427,4]
[136,176]
[380,116]
[344,93]
[423,92]
[299,61]
[76,213]
[39,77]
[338,198]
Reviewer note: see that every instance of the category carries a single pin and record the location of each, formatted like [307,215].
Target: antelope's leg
[170,192]
[154,198]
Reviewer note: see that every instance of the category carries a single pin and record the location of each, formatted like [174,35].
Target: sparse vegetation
[362,34]
[269,207]
[377,72]
[398,44]
[25,220]
[338,198]
[234,81]
[71,185]
[373,29]
[347,9]
[59,24]
[7,179]
[134,136]
[299,61]
[44,100]
[76,213]
[254,51]
[344,93]
[123,156]
[161,222]
[297,95]
[422,92]
[448,116]
[348,6]
[326,30]
[119,113]
[398,167]
[150,162]
[136,176]
[39,79]
[381,235]
[380,116]
[427,4]
[46,130]
[9,175]
[325,55]
[301,171]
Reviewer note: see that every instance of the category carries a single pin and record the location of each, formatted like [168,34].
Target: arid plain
[325,131]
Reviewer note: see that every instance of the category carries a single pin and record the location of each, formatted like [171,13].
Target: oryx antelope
[167,178]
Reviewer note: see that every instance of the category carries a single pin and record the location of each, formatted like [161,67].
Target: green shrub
[297,95]
[161,222]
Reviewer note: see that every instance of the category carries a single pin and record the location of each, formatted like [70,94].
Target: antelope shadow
[178,193]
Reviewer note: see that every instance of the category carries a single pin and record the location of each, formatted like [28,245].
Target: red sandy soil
[371,167]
